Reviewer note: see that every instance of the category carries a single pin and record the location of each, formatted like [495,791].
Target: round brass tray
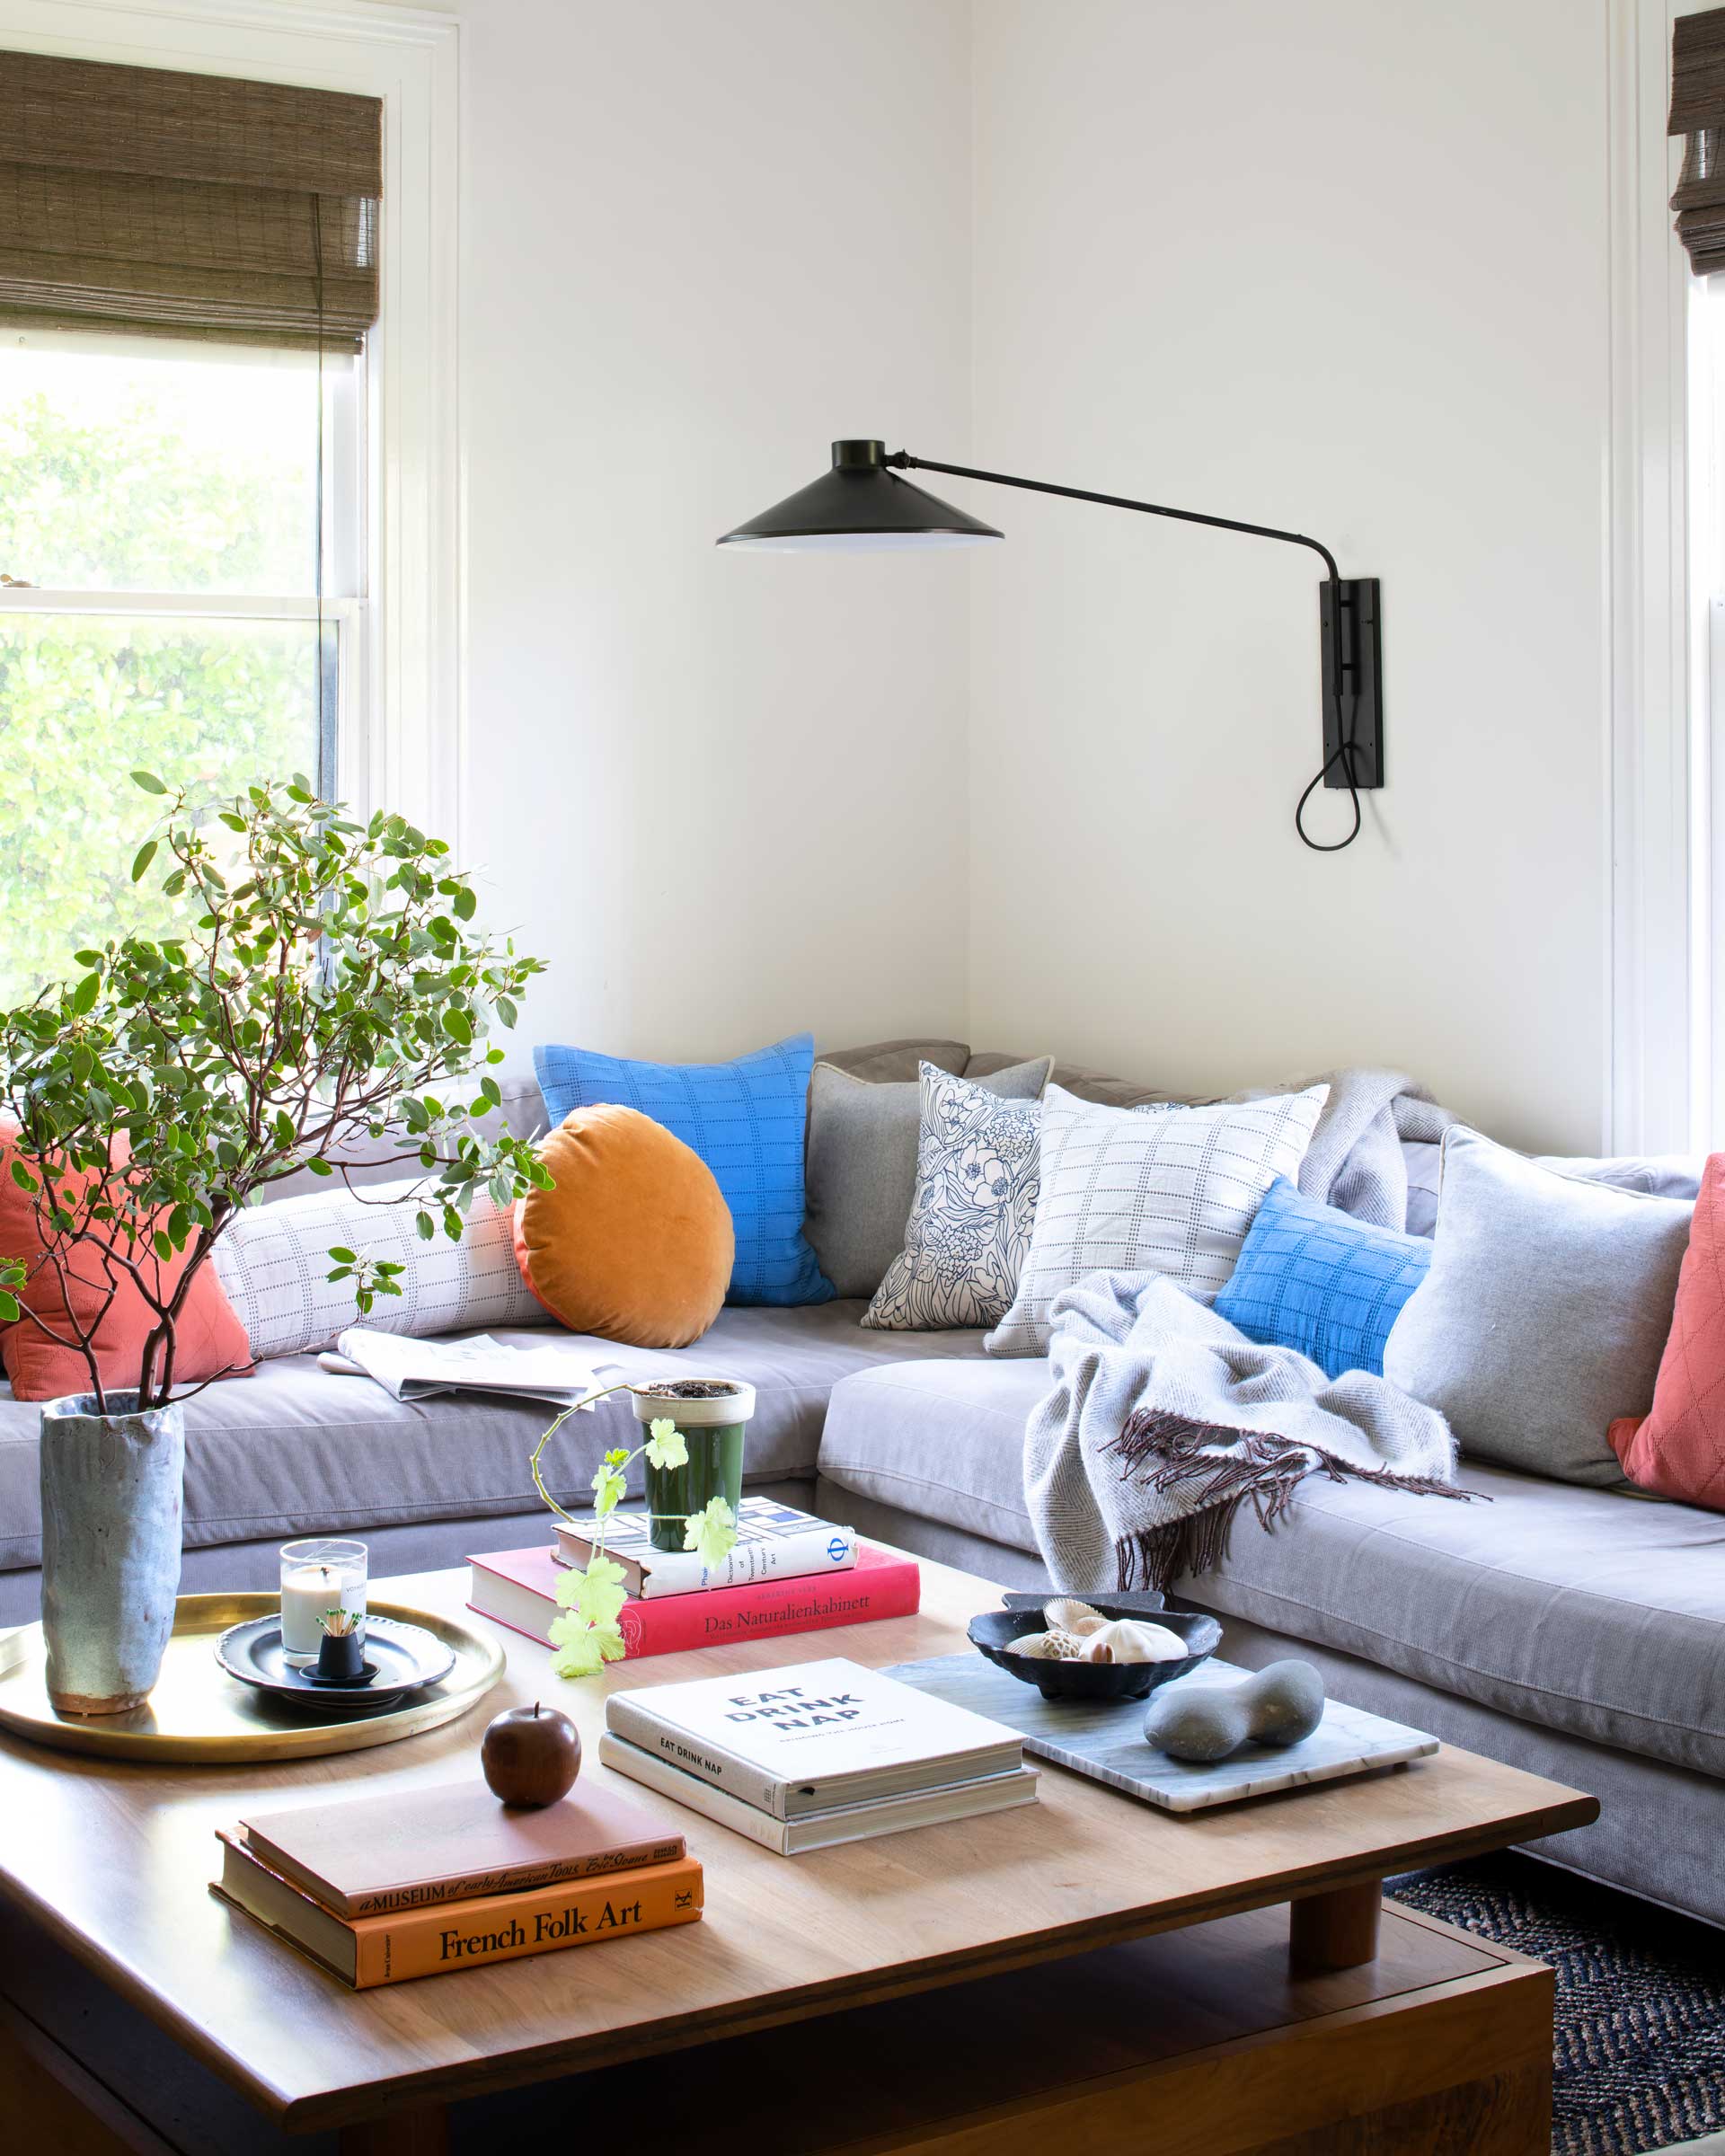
[197,1712]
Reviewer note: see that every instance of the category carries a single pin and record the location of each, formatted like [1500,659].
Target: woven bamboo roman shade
[1698,112]
[191,205]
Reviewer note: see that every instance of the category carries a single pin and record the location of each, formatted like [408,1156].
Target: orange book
[463,1935]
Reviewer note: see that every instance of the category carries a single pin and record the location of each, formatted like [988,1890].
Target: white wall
[1330,263]
[1338,265]
[723,796]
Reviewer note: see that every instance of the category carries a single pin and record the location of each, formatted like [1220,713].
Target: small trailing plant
[586,1631]
[327,986]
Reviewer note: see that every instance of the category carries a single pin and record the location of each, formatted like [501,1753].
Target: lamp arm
[902,460]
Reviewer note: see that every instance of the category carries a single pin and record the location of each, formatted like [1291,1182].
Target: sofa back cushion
[862,1167]
[521,1113]
[1544,1312]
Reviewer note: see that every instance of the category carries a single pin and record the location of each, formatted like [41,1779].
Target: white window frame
[407,750]
[1666,1013]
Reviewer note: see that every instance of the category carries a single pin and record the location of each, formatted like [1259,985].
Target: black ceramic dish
[399,1658]
[990,1633]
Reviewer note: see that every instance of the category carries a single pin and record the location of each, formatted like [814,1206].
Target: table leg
[1332,1930]
[423,2131]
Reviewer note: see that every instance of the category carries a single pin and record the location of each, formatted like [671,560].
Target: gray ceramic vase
[112,1496]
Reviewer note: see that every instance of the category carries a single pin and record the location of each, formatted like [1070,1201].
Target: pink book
[518,1588]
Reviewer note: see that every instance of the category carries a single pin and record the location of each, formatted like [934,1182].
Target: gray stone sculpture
[1206,1722]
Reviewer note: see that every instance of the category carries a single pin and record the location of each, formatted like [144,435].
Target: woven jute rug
[1640,2051]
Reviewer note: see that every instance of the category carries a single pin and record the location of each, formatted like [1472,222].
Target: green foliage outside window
[135,498]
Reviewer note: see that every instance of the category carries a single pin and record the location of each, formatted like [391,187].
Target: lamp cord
[1345,751]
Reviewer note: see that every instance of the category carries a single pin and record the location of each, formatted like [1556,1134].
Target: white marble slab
[1105,1739]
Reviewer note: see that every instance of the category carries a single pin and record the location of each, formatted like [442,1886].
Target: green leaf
[21,1176]
[85,995]
[142,859]
[459,1026]
[320,1167]
[344,1256]
[149,781]
[9,1309]
[464,904]
[426,1226]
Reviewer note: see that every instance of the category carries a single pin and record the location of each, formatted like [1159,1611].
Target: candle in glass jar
[318,1576]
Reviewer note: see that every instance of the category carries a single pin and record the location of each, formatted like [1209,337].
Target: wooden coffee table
[1083,1973]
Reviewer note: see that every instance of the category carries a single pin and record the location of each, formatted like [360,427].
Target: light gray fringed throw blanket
[1163,1420]
[1354,1158]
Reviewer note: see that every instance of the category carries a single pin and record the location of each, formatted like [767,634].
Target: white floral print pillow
[970,1219]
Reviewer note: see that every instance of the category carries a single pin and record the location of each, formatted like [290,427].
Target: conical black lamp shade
[859,505]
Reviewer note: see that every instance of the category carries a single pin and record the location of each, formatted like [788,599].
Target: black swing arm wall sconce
[862,504]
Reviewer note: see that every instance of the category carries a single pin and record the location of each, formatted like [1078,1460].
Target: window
[163,511]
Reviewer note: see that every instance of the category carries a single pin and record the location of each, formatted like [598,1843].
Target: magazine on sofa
[409,1369]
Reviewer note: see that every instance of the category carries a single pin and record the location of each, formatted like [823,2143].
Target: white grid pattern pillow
[272,1262]
[1149,1189]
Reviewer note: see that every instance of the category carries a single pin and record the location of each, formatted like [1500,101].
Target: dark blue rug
[1639,2050]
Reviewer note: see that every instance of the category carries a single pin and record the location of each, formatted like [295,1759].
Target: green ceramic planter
[712,1415]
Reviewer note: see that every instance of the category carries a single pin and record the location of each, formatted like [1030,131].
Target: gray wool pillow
[1544,1313]
[861,1171]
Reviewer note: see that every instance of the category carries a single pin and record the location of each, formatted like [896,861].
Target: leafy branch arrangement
[585,1632]
[327,987]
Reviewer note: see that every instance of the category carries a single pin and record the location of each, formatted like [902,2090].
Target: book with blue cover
[774,1542]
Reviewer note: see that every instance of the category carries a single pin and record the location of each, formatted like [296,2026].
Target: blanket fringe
[1263,1470]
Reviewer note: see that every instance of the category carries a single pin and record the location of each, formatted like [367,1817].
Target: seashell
[1127,1639]
[1036,1647]
[1065,1614]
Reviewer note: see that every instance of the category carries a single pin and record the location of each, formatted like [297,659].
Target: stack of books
[816,1753]
[420,1882]
[789,1572]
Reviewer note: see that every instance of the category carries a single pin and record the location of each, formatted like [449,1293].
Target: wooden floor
[1197,2042]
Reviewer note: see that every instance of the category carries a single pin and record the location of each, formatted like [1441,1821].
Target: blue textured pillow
[1311,1278]
[745,1119]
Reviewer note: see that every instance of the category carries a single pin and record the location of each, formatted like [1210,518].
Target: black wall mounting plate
[1351,618]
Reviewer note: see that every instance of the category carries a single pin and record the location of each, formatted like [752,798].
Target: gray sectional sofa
[1579,1632]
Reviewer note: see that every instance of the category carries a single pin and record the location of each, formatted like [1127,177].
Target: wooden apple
[531,1755]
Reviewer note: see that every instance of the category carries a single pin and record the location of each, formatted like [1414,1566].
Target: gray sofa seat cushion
[943,1439]
[296,1451]
[1587,1611]
[1595,1611]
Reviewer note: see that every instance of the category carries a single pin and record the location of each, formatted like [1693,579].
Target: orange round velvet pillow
[634,1242]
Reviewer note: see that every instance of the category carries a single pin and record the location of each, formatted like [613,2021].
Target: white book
[774,1542]
[812,1736]
[820,1830]
[410,1369]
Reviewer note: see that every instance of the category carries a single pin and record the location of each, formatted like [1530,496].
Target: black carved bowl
[990,1632]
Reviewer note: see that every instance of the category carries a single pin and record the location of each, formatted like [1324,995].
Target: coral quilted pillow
[1679,1449]
[212,1341]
